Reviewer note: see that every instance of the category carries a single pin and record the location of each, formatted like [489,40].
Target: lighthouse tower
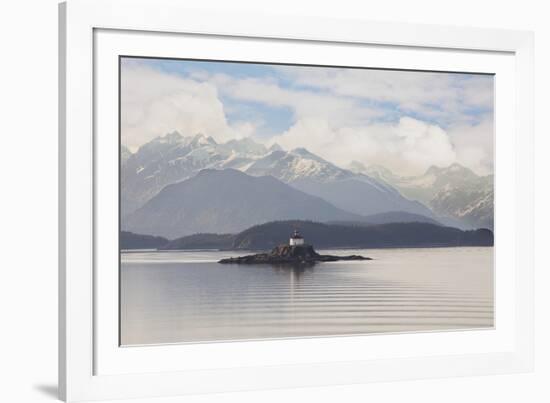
[296,239]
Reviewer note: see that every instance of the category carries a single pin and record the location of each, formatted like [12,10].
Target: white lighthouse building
[296,239]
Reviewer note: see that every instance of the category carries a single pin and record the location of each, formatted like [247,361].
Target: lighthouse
[296,239]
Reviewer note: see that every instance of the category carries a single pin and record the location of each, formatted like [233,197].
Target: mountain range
[173,158]
[227,201]
[353,192]
[176,185]
[456,195]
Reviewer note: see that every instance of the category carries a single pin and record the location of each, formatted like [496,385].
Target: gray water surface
[186,296]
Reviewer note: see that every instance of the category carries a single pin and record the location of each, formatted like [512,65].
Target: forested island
[324,236]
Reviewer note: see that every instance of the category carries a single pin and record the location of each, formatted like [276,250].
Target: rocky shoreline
[287,254]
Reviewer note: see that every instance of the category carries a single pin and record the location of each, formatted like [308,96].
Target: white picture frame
[91,366]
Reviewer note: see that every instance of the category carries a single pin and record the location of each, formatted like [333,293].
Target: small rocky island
[296,252]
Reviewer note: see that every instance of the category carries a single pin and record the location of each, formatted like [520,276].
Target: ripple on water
[166,299]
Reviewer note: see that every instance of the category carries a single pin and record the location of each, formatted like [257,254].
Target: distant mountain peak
[200,139]
[302,151]
[295,165]
[246,146]
[275,147]
[276,154]
[453,192]
[305,153]
[454,168]
[171,138]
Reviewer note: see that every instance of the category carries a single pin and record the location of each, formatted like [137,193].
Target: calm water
[170,297]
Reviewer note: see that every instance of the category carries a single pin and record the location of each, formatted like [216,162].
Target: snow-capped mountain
[173,158]
[473,207]
[454,192]
[297,164]
[227,201]
[354,192]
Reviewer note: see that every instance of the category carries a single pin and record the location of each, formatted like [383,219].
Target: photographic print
[264,201]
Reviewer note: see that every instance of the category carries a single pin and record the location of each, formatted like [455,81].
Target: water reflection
[294,271]
[188,296]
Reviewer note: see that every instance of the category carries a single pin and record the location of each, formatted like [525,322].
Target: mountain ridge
[172,158]
[226,201]
[456,194]
[328,235]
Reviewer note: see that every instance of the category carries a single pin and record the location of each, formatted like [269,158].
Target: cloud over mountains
[406,121]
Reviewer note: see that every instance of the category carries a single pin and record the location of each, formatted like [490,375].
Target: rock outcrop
[286,254]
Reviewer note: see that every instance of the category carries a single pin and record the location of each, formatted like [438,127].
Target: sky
[405,121]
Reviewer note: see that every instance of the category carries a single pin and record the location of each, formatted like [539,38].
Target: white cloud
[331,120]
[442,96]
[408,147]
[303,103]
[332,113]
[155,103]
[474,144]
